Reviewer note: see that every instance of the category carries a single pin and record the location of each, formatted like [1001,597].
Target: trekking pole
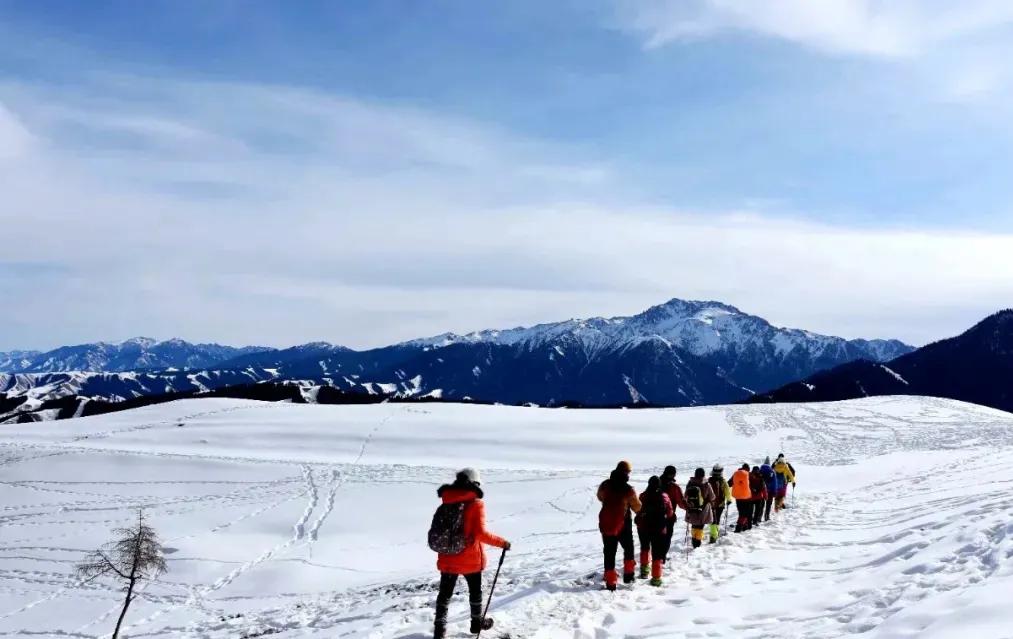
[685,541]
[492,589]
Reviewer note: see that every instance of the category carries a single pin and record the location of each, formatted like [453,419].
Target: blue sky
[365,172]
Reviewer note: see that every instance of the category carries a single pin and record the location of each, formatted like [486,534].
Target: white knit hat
[471,475]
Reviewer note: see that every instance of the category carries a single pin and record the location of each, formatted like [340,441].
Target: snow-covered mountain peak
[702,327]
[676,307]
[145,342]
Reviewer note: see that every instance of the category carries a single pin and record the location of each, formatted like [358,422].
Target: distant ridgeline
[976,367]
[676,354]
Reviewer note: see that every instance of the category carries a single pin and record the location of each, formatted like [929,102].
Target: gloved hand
[792,484]
[508,546]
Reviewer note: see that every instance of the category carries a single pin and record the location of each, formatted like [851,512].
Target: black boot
[440,626]
[629,577]
[477,624]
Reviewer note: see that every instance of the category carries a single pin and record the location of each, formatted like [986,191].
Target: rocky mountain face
[976,367]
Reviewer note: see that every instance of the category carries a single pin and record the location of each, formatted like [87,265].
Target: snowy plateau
[292,520]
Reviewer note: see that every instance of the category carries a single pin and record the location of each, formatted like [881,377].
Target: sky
[366,172]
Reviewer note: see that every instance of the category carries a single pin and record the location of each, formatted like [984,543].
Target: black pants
[656,543]
[758,511]
[672,521]
[448,582]
[745,508]
[611,543]
[766,510]
[718,511]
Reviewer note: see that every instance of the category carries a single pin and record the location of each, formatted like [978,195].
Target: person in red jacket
[758,487]
[652,528]
[617,499]
[471,562]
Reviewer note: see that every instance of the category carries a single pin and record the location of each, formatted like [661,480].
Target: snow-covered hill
[309,521]
[33,397]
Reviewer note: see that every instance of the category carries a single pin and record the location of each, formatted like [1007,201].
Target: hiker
[652,527]
[671,488]
[743,495]
[699,505]
[787,473]
[617,499]
[470,533]
[724,497]
[759,489]
[771,480]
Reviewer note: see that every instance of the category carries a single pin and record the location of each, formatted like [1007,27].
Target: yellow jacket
[782,468]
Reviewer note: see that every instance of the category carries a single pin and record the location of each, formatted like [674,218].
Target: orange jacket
[472,559]
[740,485]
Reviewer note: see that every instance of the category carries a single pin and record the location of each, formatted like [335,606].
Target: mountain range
[976,366]
[145,354]
[680,353]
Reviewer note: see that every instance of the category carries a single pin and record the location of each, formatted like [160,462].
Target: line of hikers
[458,530]
[704,499]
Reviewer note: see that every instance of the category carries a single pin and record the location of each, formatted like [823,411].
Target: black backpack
[719,491]
[655,516]
[446,534]
[694,498]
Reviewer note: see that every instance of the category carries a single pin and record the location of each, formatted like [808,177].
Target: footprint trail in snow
[290,520]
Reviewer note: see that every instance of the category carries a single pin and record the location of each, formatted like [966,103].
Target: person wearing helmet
[615,523]
[470,562]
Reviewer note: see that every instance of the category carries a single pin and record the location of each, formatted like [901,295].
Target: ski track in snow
[883,548]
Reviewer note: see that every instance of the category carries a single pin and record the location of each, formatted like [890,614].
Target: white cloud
[890,28]
[271,214]
[15,140]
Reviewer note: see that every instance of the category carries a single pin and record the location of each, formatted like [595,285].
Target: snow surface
[309,521]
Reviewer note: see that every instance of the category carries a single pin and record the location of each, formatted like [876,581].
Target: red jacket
[757,486]
[472,559]
[617,500]
[674,492]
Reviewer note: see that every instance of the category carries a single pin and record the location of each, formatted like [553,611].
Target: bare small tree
[135,556]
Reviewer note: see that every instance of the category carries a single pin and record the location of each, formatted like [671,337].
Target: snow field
[296,520]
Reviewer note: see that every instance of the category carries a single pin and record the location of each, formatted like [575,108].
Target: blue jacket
[774,481]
